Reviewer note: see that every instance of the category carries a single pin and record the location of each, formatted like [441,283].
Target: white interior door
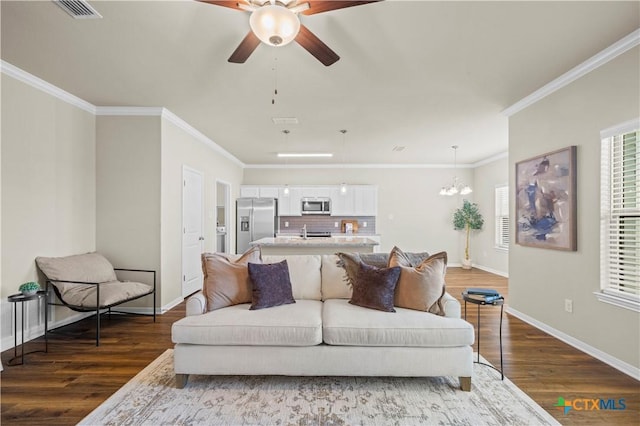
[192,232]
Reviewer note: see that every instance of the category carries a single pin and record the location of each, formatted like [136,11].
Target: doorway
[223,222]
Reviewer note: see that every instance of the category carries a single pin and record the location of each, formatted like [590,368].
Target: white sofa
[321,334]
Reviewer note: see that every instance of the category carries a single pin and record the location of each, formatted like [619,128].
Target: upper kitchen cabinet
[358,200]
[365,200]
[316,191]
[255,191]
[289,204]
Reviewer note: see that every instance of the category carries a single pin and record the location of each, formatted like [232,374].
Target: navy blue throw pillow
[374,288]
[271,285]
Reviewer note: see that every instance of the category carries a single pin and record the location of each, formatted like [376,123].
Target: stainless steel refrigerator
[256,218]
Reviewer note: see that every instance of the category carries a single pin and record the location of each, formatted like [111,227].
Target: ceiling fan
[276,23]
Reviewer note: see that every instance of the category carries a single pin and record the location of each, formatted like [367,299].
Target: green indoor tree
[467,217]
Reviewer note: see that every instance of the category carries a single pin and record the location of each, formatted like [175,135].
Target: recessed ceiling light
[284,120]
[304,154]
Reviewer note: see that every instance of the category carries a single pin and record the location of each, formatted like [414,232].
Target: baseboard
[491,270]
[36,331]
[616,363]
[483,268]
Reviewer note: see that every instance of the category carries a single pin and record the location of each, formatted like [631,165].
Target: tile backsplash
[319,223]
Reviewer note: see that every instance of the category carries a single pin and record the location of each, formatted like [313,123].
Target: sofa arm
[451,306]
[196,304]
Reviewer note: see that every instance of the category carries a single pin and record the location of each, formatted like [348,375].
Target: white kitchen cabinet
[342,204]
[289,205]
[365,200]
[359,200]
[258,191]
[249,191]
[269,191]
[316,191]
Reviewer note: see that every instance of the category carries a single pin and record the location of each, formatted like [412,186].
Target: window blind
[620,227]
[502,216]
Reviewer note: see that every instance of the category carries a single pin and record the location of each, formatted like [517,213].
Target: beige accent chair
[88,283]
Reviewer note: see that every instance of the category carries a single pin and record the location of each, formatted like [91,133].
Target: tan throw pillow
[421,288]
[226,281]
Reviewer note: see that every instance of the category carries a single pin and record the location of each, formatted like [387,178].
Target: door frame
[227,214]
[186,168]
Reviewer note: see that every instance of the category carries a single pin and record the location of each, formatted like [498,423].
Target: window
[620,216]
[502,217]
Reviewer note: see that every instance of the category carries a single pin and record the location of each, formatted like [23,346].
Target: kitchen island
[323,245]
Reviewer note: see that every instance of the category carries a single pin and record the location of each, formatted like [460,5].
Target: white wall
[411,213]
[48,188]
[540,280]
[483,250]
[180,148]
[128,195]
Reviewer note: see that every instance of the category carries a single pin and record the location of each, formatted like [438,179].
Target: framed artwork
[546,200]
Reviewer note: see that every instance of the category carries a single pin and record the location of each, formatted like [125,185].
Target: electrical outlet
[335,224]
[286,224]
[364,224]
[568,305]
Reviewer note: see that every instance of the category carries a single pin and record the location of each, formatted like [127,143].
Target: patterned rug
[150,398]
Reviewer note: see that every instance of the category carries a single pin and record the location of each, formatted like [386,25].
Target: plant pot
[466,263]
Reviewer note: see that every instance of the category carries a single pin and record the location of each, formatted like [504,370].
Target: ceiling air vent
[398,148]
[78,9]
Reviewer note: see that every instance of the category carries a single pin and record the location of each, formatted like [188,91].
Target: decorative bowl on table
[29,289]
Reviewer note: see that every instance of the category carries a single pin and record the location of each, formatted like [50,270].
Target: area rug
[151,398]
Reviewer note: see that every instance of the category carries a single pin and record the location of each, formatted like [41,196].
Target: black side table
[21,298]
[480,300]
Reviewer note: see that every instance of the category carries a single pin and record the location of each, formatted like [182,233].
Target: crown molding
[627,126]
[132,111]
[357,166]
[38,83]
[188,128]
[491,159]
[596,61]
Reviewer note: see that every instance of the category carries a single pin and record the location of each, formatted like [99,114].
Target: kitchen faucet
[304,232]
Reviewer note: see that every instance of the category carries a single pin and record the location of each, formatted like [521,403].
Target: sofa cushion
[298,324]
[89,267]
[374,288]
[270,284]
[422,287]
[335,283]
[111,293]
[304,272]
[350,325]
[226,278]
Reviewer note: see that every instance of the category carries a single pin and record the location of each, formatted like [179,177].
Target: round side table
[481,300]
[22,298]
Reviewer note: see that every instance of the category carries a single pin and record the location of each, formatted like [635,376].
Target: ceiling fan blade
[319,6]
[245,49]
[316,47]
[233,4]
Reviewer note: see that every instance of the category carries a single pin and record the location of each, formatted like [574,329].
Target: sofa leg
[465,384]
[181,380]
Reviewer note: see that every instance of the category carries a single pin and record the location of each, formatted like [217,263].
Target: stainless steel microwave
[316,206]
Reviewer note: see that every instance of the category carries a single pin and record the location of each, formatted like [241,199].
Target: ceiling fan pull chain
[275,81]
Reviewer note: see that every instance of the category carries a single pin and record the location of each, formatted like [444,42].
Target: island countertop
[323,245]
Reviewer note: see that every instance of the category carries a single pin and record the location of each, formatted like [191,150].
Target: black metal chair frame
[98,308]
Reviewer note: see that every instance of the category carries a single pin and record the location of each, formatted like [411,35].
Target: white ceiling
[421,74]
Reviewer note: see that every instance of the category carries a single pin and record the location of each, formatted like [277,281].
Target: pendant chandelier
[456,187]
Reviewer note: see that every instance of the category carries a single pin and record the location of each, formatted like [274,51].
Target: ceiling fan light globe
[274,25]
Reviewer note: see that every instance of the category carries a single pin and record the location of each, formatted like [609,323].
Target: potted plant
[467,217]
[29,288]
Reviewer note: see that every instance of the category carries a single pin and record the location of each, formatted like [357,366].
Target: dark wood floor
[66,384]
